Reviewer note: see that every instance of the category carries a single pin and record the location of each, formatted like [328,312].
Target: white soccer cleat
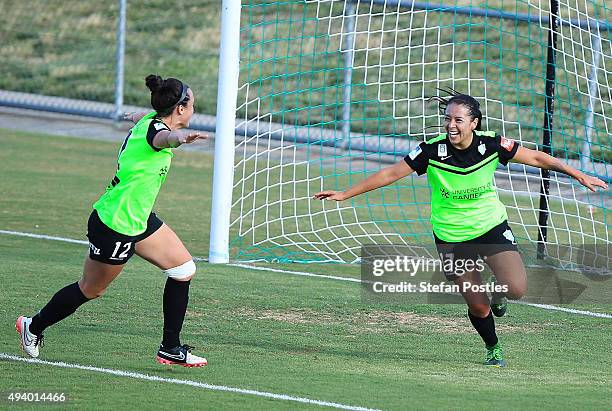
[30,343]
[180,355]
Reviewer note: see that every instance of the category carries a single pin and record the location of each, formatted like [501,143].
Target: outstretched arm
[382,178]
[173,139]
[548,162]
[134,117]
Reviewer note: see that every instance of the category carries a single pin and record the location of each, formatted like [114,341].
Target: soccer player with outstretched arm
[122,223]
[467,217]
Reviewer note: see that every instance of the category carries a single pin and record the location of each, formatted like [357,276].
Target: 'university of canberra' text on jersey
[141,170]
[464,202]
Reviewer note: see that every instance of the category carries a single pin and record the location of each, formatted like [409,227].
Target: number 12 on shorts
[124,254]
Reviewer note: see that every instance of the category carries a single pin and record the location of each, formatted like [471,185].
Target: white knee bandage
[182,271]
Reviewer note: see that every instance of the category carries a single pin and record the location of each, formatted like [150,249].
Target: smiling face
[459,125]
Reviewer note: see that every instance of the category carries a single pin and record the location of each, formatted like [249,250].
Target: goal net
[331,91]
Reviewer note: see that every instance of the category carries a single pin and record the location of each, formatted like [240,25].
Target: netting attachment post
[548,125]
[223,173]
[120,62]
[585,154]
[348,51]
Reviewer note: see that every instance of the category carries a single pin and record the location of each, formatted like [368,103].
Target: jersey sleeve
[155,127]
[506,148]
[417,159]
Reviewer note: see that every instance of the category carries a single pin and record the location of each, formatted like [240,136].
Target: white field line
[298,273]
[190,383]
[564,309]
[44,237]
[305,274]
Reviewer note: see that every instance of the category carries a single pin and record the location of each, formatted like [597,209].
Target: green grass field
[260,330]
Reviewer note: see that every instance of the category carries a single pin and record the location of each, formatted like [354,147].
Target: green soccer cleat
[499,302]
[499,310]
[495,356]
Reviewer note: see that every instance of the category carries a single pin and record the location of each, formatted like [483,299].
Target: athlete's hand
[128,117]
[189,138]
[591,182]
[134,117]
[330,195]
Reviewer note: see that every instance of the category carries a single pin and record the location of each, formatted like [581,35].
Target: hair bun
[154,82]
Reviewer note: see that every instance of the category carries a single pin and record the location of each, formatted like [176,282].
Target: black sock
[485,327]
[61,305]
[176,297]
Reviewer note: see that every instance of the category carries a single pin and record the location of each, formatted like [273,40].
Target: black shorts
[496,240]
[110,247]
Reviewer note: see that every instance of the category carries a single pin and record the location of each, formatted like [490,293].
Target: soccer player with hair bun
[463,160]
[122,223]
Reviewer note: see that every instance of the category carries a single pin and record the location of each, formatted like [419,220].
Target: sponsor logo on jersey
[160,126]
[442,152]
[507,143]
[472,193]
[482,148]
[414,153]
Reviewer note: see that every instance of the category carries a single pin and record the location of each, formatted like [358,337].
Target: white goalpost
[223,173]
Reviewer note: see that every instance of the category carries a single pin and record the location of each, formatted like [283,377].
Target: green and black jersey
[141,170]
[464,202]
